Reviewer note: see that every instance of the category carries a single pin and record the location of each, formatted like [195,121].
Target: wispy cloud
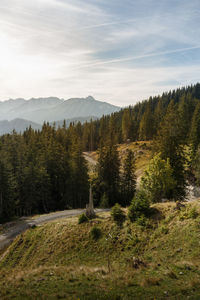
[118,51]
[125,59]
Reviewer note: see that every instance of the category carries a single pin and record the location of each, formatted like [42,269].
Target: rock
[41,279]
[179,250]
[179,205]
[32,225]
[137,262]
[164,200]
[140,152]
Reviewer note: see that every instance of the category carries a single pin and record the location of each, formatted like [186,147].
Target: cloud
[117,51]
[119,60]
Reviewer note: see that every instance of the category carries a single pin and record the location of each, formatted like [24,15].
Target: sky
[117,51]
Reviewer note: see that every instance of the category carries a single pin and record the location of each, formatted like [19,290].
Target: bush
[158,181]
[193,213]
[118,214]
[189,213]
[139,206]
[142,220]
[164,229]
[95,233]
[82,219]
[104,203]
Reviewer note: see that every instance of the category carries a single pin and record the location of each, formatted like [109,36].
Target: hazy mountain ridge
[53,109]
[74,120]
[20,125]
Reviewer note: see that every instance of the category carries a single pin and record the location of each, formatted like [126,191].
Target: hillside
[53,109]
[157,260]
[141,149]
[144,120]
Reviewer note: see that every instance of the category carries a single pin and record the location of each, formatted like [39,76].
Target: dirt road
[89,158]
[18,227]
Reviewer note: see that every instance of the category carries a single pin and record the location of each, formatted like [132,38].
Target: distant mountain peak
[90,98]
[53,109]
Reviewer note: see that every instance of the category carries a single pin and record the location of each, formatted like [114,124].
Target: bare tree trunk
[90,207]
[1,204]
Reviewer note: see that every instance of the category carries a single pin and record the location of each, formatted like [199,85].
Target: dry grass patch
[150,281]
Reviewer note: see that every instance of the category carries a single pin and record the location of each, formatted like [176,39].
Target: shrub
[142,220]
[193,213]
[95,233]
[104,203]
[164,229]
[139,206]
[189,213]
[118,214]
[82,219]
[158,181]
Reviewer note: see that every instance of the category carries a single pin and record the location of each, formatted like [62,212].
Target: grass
[61,260]
[142,150]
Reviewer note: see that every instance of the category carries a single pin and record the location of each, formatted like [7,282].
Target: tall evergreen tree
[80,180]
[108,173]
[146,130]
[195,130]
[169,142]
[6,193]
[126,124]
[128,184]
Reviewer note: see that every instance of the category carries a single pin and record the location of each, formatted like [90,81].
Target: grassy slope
[142,150]
[60,260]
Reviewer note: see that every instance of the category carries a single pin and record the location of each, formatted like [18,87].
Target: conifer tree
[146,130]
[6,194]
[128,184]
[169,142]
[195,130]
[80,179]
[108,173]
[126,124]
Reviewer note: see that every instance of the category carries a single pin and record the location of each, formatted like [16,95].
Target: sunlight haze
[117,51]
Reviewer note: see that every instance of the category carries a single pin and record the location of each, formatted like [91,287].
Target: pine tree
[126,125]
[128,185]
[186,109]
[195,130]
[108,173]
[80,180]
[6,193]
[146,130]
[169,142]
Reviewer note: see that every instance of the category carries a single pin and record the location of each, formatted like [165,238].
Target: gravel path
[89,158]
[9,235]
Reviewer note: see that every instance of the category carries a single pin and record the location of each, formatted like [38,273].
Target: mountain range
[19,113]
